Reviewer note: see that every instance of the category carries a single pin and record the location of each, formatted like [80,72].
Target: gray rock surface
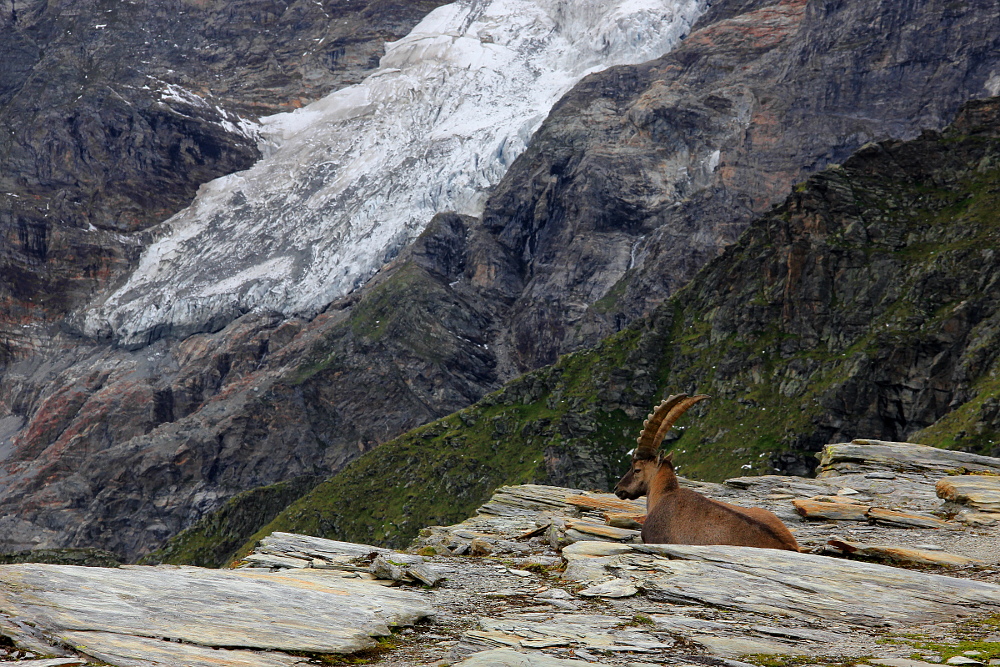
[508,658]
[873,456]
[616,604]
[804,586]
[294,611]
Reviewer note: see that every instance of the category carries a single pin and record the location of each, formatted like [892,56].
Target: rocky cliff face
[640,175]
[114,114]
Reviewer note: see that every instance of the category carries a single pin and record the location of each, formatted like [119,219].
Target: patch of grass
[963,427]
[799,660]
[383,646]
[970,635]
[638,621]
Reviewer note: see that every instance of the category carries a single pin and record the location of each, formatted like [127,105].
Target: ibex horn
[655,428]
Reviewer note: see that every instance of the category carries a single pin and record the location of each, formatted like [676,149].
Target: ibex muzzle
[681,516]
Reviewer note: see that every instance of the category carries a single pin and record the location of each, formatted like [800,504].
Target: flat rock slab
[502,657]
[527,500]
[734,647]
[131,651]
[593,501]
[878,455]
[821,509]
[586,631]
[603,531]
[297,610]
[289,550]
[785,583]
[980,492]
[905,519]
[902,554]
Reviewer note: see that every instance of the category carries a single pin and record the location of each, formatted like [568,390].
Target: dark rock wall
[125,448]
[618,201]
[114,113]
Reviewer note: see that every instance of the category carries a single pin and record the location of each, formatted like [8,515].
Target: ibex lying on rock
[682,516]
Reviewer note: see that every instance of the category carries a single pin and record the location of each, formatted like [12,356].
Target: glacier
[347,181]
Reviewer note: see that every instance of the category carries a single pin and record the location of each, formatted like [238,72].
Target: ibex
[682,516]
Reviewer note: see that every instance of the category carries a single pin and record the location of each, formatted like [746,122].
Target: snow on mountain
[347,181]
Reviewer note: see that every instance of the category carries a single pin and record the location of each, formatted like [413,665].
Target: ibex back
[682,516]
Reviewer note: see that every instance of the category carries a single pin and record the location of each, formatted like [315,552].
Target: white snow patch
[350,179]
[993,85]
[713,160]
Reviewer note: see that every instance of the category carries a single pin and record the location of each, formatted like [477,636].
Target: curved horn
[675,413]
[648,444]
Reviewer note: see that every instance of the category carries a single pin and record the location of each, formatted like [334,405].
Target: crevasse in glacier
[347,181]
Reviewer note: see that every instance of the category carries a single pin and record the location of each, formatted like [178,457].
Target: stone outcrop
[533,595]
[128,614]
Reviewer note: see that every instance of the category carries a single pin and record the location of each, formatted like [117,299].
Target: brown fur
[682,516]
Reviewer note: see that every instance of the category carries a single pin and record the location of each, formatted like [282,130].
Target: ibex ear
[665,458]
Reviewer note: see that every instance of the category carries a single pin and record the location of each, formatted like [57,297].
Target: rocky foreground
[900,567]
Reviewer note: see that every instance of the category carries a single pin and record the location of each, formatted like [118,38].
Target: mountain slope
[642,174]
[638,177]
[866,305]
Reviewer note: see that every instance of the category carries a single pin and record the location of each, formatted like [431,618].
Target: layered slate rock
[869,456]
[979,492]
[509,658]
[285,550]
[902,555]
[784,583]
[516,513]
[123,614]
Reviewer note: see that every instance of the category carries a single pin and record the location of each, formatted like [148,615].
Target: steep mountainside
[640,175]
[114,113]
[345,183]
[866,305]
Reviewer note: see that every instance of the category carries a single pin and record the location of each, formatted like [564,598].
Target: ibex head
[646,461]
